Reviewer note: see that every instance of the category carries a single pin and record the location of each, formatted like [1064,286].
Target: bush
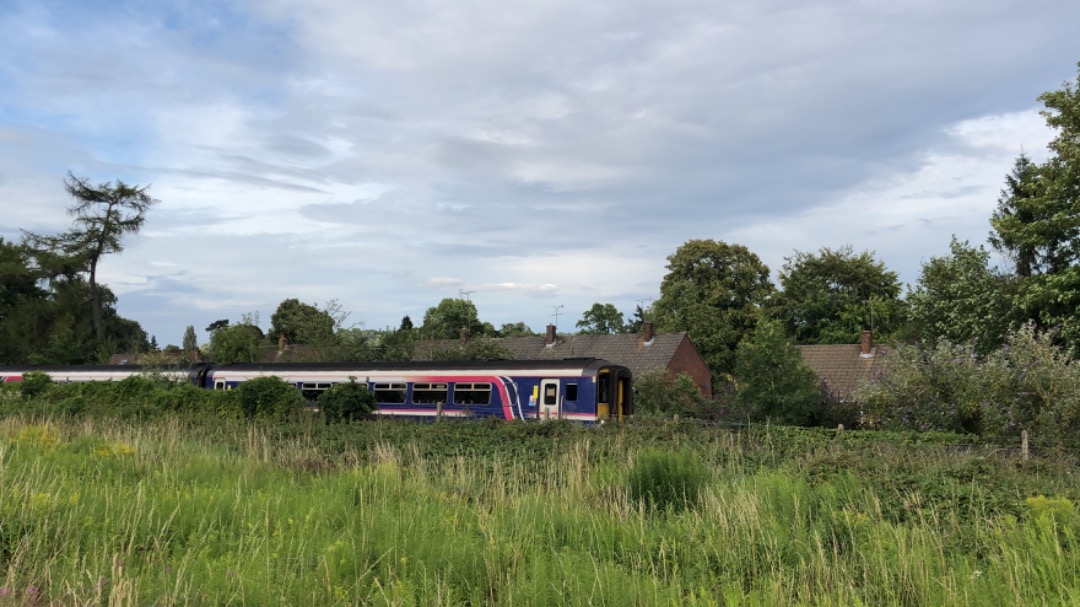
[190,400]
[658,393]
[664,480]
[347,402]
[270,398]
[1029,384]
[34,384]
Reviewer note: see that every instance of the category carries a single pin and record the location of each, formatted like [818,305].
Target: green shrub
[188,399]
[1029,384]
[269,398]
[664,480]
[658,393]
[347,402]
[34,384]
[774,381]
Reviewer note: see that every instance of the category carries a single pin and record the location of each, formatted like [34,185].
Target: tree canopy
[302,323]
[713,291]
[1037,222]
[601,319]
[446,320]
[959,298]
[103,214]
[774,382]
[831,296]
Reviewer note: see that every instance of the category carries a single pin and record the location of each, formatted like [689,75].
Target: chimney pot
[647,330]
[867,342]
[550,337]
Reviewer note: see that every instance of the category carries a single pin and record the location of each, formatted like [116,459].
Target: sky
[535,156]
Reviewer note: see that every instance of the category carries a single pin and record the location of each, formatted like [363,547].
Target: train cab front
[614,396]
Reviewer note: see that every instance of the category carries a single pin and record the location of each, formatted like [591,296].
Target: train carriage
[585,390]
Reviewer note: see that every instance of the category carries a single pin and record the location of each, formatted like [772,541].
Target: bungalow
[843,368]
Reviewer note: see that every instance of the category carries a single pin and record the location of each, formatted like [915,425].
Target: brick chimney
[549,339]
[463,336]
[867,343]
[647,332]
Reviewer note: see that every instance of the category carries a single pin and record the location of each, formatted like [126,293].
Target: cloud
[387,154]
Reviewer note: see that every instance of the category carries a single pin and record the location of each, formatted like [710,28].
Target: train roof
[462,365]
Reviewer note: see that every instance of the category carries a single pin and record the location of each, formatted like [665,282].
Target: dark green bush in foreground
[34,384]
[270,398]
[664,480]
[347,402]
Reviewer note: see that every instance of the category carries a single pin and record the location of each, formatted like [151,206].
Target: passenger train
[585,390]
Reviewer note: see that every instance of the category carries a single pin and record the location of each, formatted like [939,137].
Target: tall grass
[95,513]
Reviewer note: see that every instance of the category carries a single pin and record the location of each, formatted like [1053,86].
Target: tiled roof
[842,367]
[625,349]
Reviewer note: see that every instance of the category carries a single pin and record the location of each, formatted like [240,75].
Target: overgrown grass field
[173,512]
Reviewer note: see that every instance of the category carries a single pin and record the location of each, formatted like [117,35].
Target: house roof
[628,349]
[843,367]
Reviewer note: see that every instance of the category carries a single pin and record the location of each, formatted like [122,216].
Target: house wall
[687,360]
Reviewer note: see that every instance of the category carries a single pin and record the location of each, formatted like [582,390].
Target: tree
[713,291]
[1037,222]
[446,320]
[961,299]
[601,319]
[831,296]
[21,298]
[515,329]
[637,321]
[774,381]
[191,342]
[302,323]
[236,344]
[1018,222]
[103,214]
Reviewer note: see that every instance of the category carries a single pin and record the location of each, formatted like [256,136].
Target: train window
[390,393]
[603,389]
[429,394]
[551,394]
[472,394]
[312,390]
[571,392]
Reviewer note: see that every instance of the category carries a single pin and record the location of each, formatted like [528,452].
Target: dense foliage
[601,319]
[774,382]
[713,291]
[1030,384]
[830,296]
[270,398]
[1037,222]
[347,402]
[960,299]
[660,393]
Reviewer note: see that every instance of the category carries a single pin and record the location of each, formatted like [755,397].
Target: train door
[624,396]
[549,399]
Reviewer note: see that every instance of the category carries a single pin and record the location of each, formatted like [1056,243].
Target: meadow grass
[97,512]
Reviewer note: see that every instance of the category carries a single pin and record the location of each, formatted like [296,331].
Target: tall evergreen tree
[103,214]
